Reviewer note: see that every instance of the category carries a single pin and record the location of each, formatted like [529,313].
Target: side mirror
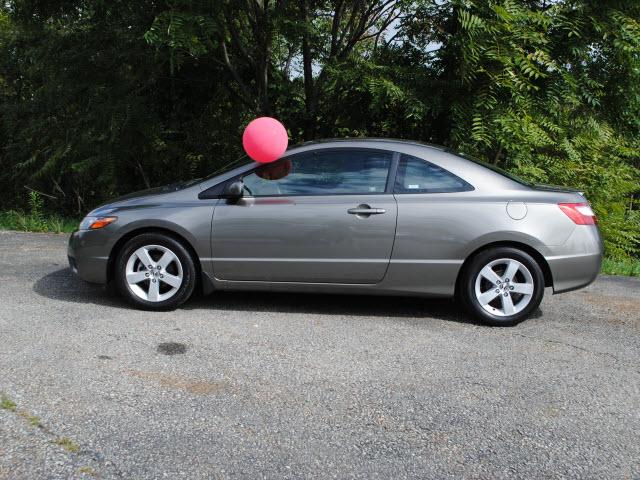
[234,191]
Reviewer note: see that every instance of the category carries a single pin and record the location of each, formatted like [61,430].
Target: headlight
[94,223]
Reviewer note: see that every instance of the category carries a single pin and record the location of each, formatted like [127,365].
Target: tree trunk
[309,90]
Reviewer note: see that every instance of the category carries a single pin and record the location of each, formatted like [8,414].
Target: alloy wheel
[154,273]
[504,287]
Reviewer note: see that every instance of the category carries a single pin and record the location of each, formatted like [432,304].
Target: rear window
[493,168]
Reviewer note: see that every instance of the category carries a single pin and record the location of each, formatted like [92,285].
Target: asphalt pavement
[259,385]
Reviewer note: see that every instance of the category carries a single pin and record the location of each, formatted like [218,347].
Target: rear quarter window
[416,175]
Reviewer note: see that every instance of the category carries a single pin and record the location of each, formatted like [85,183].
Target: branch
[367,20]
[236,37]
[40,193]
[286,69]
[383,28]
[307,61]
[245,96]
[335,27]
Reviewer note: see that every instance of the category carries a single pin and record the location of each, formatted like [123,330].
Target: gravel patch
[258,385]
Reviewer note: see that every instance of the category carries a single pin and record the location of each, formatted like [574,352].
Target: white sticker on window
[413,186]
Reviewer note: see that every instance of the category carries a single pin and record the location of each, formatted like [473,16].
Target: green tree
[280,58]
[99,98]
[539,94]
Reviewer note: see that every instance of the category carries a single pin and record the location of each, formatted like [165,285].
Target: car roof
[365,140]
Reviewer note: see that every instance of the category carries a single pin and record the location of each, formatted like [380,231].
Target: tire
[491,296]
[169,282]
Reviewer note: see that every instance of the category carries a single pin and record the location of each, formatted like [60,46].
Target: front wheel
[502,286]
[155,272]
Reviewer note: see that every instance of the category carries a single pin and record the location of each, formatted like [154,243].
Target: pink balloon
[265,139]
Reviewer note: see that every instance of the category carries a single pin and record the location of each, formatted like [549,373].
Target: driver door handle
[366,211]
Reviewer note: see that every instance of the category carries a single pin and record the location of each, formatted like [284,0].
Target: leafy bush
[35,220]
[537,99]
[103,98]
[628,267]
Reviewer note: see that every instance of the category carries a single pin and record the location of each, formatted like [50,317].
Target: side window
[419,176]
[334,172]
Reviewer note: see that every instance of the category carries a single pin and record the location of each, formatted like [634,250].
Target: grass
[7,404]
[33,420]
[88,471]
[65,442]
[628,267]
[68,444]
[35,219]
[28,222]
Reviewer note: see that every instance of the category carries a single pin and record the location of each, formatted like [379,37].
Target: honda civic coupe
[366,216]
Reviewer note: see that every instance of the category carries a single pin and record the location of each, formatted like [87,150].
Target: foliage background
[99,98]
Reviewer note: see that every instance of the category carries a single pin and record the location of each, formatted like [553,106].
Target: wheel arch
[117,247]
[537,256]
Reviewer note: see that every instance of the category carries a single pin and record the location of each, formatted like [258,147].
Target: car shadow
[63,285]
[333,304]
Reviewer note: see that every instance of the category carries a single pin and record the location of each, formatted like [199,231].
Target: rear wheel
[502,286]
[155,272]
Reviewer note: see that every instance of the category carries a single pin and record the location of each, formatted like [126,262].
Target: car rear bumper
[577,262]
[87,256]
[570,273]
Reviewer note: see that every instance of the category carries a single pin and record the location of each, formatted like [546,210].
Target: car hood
[141,196]
[172,187]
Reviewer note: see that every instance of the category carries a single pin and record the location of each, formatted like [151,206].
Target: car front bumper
[88,255]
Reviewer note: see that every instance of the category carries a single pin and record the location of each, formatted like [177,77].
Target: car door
[436,217]
[323,216]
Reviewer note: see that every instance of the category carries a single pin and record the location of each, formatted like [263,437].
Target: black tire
[467,287]
[186,262]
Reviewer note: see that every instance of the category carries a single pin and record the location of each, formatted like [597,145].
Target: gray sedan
[380,217]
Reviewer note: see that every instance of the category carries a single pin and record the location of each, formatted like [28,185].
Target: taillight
[580,213]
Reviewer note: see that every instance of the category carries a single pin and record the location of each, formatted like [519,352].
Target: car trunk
[556,189]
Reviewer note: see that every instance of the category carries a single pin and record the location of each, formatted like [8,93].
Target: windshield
[238,162]
[494,168]
[243,160]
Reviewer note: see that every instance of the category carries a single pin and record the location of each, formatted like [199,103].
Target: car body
[336,225]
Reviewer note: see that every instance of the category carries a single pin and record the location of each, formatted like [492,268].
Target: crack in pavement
[68,446]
